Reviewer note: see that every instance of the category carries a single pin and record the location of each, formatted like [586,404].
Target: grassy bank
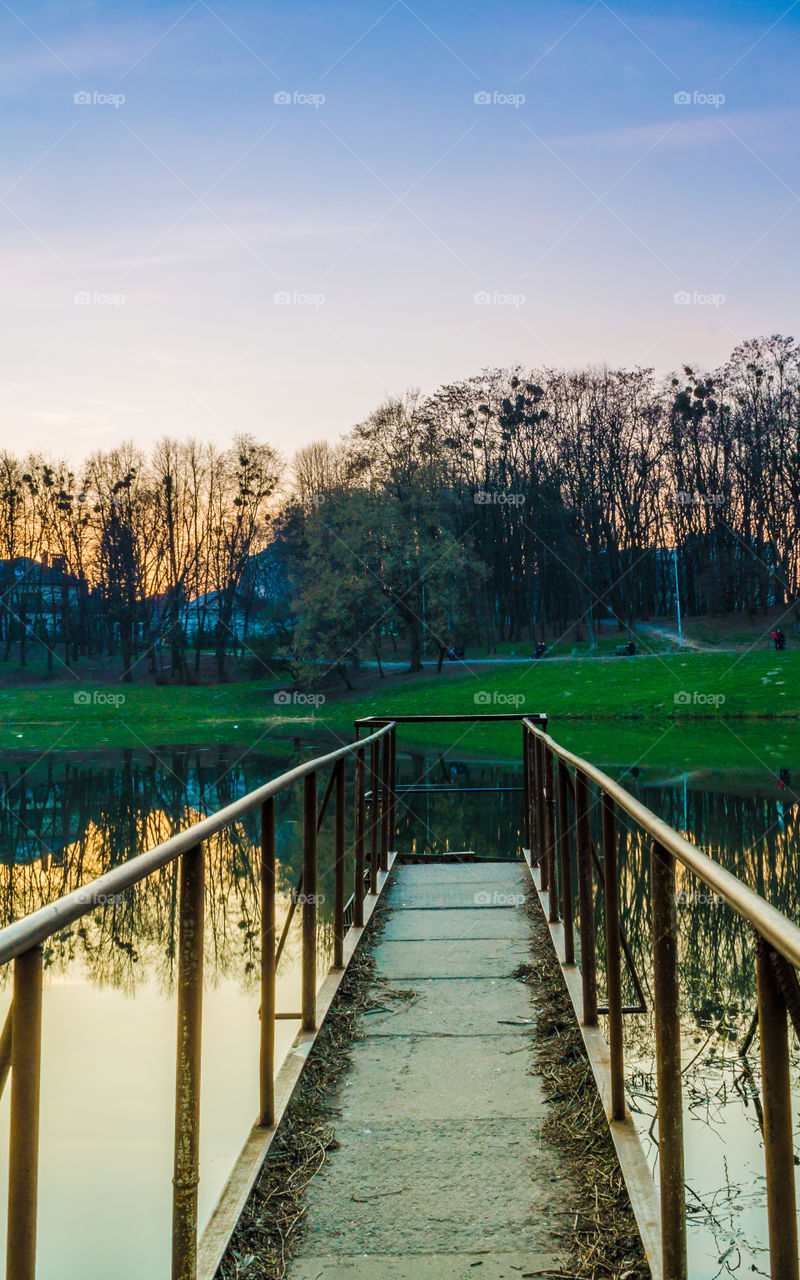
[676,708]
[686,710]
[681,685]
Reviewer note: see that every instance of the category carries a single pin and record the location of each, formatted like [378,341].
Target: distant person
[784,779]
[779,639]
[631,649]
[539,651]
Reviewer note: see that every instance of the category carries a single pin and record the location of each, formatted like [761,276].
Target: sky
[230,217]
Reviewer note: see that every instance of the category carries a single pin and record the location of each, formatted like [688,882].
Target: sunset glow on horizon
[224,218]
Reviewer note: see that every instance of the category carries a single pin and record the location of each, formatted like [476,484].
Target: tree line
[519,504]
[131,552]
[528,504]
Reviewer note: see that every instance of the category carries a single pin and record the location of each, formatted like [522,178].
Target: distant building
[261,603]
[39,588]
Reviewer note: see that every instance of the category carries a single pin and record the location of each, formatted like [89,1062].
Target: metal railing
[553,780]
[548,788]
[21,942]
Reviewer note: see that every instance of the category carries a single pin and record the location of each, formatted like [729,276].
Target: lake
[109,1005]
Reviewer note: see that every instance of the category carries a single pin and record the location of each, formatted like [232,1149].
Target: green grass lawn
[56,716]
[745,705]
[625,710]
[677,684]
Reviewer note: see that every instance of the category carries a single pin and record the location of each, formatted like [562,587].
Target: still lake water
[109,1007]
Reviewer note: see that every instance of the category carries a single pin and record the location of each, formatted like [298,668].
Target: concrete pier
[442,1172]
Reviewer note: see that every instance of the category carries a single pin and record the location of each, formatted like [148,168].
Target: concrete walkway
[442,1173]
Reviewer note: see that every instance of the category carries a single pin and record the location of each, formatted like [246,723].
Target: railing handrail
[773,926]
[516,716]
[30,930]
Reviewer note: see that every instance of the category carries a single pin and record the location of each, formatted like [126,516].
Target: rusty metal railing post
[538,810]
[187,1074]
[374,817]
[777,1096]
[267,1046]
[534,798]
[566,863]
[386,773]
[393,789]
[586,902]
[668,1063]
[338,870]
[309,951]
[550,833]
[5,1048]
[23,1166]
[528,761]
[613,962]
[526,786]
[359,825]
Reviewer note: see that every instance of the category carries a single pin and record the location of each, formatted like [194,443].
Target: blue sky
[202,258]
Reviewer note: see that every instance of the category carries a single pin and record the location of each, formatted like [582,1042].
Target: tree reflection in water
[68,819]
[749,826]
